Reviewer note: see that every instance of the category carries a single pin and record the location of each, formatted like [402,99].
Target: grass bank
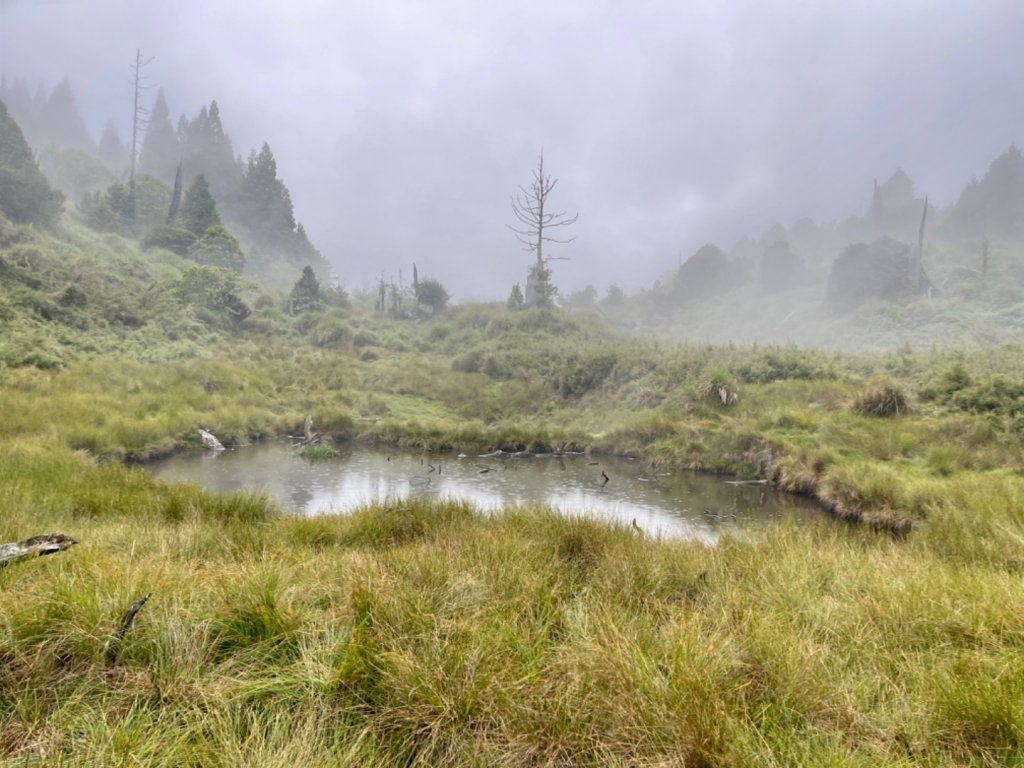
[423,634]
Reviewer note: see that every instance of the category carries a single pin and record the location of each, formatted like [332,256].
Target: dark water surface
[683,504]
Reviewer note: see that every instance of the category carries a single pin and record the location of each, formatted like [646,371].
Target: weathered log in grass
[36,546]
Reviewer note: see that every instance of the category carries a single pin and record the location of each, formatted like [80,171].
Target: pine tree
[112,151]
[207,150]
[19,102]
[515,297]
[305,294]
[264,207]
[172,211]
[540,291]
[160,152]
[25,195]
[59,122]
[199,210]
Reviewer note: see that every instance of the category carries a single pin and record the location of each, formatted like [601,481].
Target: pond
[671,504]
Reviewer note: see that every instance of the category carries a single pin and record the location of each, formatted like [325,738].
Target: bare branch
[532,221]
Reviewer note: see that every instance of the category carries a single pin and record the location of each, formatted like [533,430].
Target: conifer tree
[172,211]
[207,150]
[25,195]
[18,100]
[305,294]
[112,151]
[266,204]
[199,210]
[515,297]
[264,208]
[160,149]
[58,121]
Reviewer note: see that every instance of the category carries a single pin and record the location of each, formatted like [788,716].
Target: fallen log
[113,645]
[37,546]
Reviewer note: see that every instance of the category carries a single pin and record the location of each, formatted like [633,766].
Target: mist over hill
[403,132]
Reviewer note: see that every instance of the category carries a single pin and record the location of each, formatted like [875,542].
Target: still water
[663,503]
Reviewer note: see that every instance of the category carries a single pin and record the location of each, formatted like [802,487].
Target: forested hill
[253,202]
[146,269]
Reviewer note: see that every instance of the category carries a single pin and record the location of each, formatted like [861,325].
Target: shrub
[718,389]
[174,239]
[218,248]
[471,362]
[432,294]
[582,373]
[314,452]
[881,399]
[364,338]
[331,332]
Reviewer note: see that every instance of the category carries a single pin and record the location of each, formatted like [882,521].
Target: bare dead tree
[139,113]
[530,207]
[919,266]
[534,222]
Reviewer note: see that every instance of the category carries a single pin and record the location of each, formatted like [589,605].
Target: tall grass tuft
[881,399]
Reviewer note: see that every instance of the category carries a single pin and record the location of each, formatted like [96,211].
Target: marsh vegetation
[432,631]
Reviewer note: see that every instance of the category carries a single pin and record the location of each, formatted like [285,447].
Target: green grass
[421,633]
[417,633]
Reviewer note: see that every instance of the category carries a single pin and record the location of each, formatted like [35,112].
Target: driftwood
[37,546]
[210,442]
[309,437]
[113,645]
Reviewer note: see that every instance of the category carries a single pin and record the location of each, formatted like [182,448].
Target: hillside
[851,284]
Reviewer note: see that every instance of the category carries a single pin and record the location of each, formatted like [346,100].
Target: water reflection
[670,504]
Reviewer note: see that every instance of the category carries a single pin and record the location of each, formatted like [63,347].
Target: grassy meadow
[417,633]
[414,633]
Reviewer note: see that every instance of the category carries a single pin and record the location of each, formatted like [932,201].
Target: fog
[403,128]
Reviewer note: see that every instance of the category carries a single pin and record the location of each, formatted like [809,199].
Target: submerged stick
[37,546]
[113,645]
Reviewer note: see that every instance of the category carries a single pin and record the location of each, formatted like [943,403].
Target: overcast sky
[402,128]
